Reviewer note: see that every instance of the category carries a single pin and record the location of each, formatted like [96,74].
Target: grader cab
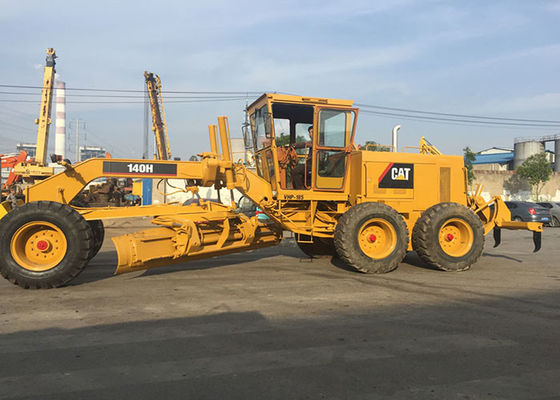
[368,208]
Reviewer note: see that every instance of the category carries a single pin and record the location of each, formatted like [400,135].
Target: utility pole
[77,140]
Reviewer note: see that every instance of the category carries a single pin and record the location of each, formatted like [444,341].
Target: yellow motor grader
[368,208]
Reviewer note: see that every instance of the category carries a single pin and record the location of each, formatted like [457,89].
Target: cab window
[260,124]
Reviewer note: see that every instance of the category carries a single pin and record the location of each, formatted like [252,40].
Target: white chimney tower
[60,123]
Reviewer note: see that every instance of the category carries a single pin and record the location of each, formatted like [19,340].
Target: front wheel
[448,236]
[371,237]
[98,231]
[44,244]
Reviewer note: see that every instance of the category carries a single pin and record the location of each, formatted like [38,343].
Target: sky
[481,58]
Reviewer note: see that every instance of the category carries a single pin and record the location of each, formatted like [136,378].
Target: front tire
[448,236]
[98,231]
[371,237]
[43,244]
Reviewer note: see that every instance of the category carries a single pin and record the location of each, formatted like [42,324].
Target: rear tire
[448,236]
[43,244]
[371,237]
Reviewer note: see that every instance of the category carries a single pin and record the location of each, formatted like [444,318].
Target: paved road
[272,325]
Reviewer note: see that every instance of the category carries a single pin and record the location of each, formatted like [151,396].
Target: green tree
[282,140]
[372,145]
[469,158]
[536,170]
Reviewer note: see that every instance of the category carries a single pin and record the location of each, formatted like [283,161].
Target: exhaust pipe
[395,131]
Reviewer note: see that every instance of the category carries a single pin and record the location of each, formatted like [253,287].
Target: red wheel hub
[372,238]
[42,245]
[449,237]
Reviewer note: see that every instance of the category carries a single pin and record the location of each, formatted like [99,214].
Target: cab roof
[287,98]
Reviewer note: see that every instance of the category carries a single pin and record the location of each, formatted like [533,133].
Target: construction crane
[37,169]
[369,208]
[159,126]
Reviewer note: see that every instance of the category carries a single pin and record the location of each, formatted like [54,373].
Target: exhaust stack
[394,144]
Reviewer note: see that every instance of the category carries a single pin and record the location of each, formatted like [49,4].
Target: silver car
[554,208]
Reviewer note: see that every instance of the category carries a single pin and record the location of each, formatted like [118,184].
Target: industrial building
[30,148]
[500,159]
[87,152]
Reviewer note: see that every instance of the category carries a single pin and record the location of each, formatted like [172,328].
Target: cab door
[332,144]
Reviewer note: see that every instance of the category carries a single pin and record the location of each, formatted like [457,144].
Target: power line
[468,121]
[129,102]
[457,115]
[244,92]
[471,124]
[217,96]
[132,96]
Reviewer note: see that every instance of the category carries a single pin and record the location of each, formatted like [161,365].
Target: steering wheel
[287,156]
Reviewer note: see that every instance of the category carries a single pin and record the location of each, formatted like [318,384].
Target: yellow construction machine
[368,208]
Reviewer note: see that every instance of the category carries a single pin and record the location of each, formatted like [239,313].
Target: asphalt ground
[272,324]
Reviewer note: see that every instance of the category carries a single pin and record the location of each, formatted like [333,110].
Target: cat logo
[397,176]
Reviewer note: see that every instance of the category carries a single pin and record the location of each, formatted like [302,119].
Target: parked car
[554,211]
[528,212]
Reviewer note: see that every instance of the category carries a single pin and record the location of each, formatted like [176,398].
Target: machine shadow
[103,265]
[410,350]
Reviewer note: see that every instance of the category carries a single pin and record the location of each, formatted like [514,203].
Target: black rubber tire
[79,239]
[425,237]
[517,219]
[347,231]
[555,222]
[98,231]
[320,248]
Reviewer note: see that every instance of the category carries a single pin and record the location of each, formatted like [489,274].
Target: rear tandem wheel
[371,237]
[448,236]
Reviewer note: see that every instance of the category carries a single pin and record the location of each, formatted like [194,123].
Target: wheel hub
[43,245]
[38,246]
[456,237]
[377,238]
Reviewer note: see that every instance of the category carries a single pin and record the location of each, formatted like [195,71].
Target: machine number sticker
[142,168]
[397,176]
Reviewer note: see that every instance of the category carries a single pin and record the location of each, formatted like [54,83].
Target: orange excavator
[10,162]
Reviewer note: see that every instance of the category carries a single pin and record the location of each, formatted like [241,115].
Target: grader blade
[182,239]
